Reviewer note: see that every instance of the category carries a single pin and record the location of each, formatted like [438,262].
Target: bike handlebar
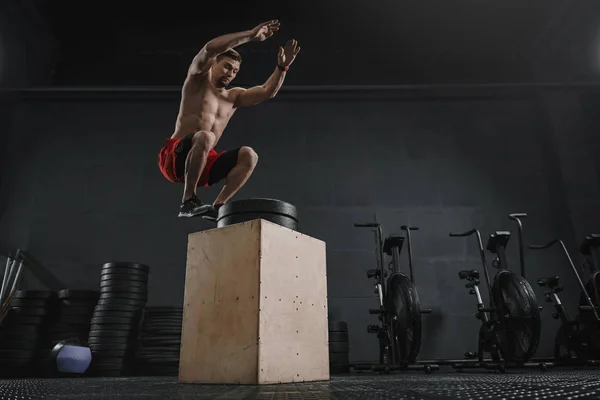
[543,246]
[468,233]
[517,215]
[409,228]
[366,225]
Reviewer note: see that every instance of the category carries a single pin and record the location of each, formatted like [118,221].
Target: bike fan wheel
[519,316]
[403,308]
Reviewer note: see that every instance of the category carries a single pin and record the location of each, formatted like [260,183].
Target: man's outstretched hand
[287,54]
[265,30]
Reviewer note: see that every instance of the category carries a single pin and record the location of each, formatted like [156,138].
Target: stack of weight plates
[276,211]
[115,323]
[75,313]
[338,347]
[71,322]
[22,331]
[158,352]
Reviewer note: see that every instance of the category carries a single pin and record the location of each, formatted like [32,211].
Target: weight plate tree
[404,309]
[517,302]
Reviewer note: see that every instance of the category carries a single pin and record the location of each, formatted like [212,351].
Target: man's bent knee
[204,140]
[247,156]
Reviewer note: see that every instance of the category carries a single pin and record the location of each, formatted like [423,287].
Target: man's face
[225,71]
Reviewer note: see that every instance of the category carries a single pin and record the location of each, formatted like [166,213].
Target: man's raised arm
[258,94]
[208,54]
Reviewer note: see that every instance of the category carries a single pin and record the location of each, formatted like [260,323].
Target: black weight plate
[68,336]
[102,347]
[118,314]
[149,330]
[30,311]
[130,265]
[115,302]
[75,320]
[115,327]
[33,294]
[149,341]
[338,336]
[125,293]
[160,360]
[77,311]
[142,292]
[114,321]
[170,323]
[109,307]
[166,319]
[14,362]
[116,283]
[258,205]
[18,328]
[78,303]
[110,343]
[108,367]
[167,316]
[339,347]
[166,332]
[104,358]
[164,308]
[61,329]
[124,272]
[72,294]
[157,350]
[136,298]
[25,320]
[124,278]
[166,357]
[233,219]
[19,344]
[108,334]
[17,354]
[125,353]
[16,335]
[43,303]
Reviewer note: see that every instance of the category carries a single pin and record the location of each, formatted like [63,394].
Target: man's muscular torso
[204,107]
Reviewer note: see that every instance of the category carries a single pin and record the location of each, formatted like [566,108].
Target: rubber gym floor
[552,384]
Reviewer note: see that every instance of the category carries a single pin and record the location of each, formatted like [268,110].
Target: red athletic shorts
[171,161]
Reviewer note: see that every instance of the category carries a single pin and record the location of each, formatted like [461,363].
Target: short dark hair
[231,54]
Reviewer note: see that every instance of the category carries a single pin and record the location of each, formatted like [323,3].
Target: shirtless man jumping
[188,156]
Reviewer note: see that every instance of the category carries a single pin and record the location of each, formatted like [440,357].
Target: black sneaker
[213,214]
[193,207]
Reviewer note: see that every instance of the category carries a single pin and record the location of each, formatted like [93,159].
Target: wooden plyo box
[255,306]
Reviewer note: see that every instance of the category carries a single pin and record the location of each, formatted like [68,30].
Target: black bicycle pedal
[373,329]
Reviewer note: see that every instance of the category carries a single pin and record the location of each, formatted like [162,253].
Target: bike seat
[550,283]
[496,240]
[393,240]
[466,274]
[590,241]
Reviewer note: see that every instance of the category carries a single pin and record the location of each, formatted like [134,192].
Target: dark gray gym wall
[81,185]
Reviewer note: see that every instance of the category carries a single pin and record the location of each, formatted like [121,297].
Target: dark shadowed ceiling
[343,42]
